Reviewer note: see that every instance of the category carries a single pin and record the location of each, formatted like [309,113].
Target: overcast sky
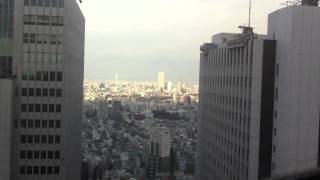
[138,38]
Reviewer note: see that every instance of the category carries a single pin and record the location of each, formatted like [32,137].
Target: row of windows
[37,123]
[42,38]
[6,18]
[44,3]
[41,92]
[43,20]
[5,65]
[43,76]
[41,108]
[37,139]
[39,154]
[227,81]
[6,4]
[42,170]
[227,57]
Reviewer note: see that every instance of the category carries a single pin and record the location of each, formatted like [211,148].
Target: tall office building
[259,100]
[161,81]
[41,80]
[158,152]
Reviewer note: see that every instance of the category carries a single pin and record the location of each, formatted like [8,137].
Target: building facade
[259,100]
[233,95]
[158,153]
[297,86]
[161,81]
[42,53]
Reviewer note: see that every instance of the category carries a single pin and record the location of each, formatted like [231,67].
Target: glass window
[23,108]
[38,92]
[45,92]
[22,154]
[30,123]
[59,76]
[36,154]
[37,139]
[31,92]
[38,76]
[29,170]
[60,3]
[35,170]
[32,38]
[44,123]
[50,139]
[57,154]
[30,108]
[58,108]
[45,76]
[25,37]
[23,139]
[24,92]
[51,123]
[23,123]
[43,139]
[51,107]
[29,154]
[58,123]
[54,3]
[57,139]
[40,3]
[47,3]
[56,170]
[33,2]
[50,154]
[52,76]
[43,154]
[22,170]
[26,2]
[44,107]
[50,170]
[43,170]
[38,108]
[37,123]
[30,139]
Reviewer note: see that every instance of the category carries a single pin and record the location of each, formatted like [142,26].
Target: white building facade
[44,52]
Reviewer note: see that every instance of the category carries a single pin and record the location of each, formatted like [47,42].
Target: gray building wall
[6,127]
[296,112]
[231,101]
[47,48]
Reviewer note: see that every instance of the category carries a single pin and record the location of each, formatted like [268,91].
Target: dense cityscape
[120,118]
[253,115]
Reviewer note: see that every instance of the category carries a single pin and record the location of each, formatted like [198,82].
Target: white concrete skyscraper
[161,81]
[260,101]
[41,75]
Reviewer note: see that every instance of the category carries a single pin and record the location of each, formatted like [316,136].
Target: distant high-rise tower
[179,86]
[41,82]
[161,81]
[158,153]
[117,76]
[259,100]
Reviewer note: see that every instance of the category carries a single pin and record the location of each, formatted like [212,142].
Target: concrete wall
[6,127]
[296,136]
[73,70]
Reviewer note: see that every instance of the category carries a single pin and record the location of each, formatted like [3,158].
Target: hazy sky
[138,38]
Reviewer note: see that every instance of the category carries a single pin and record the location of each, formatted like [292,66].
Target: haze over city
[159,90]
[137,39]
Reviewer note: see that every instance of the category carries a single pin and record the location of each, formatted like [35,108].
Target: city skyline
[137,39]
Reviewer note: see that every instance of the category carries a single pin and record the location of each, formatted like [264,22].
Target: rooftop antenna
[250,3]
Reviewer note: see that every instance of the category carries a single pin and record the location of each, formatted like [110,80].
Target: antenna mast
[249,23]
